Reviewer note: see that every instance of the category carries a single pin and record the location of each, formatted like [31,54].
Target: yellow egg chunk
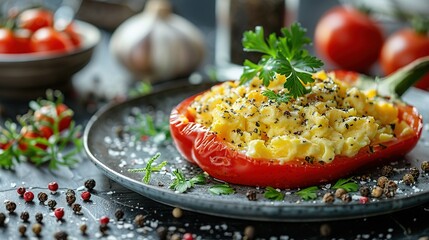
[333,119]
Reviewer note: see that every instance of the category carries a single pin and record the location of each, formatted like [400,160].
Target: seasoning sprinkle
[42,196]
[119,214]
[22,229]
[76,208]
[37,229]
[52,203]
[83,228]
[24,216]
[90,184]
[39,217]
[10,206]
[139,220]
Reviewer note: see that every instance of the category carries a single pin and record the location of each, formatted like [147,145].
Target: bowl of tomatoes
[35,55]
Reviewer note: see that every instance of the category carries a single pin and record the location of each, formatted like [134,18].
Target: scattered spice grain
[22,229]
[139,220]
[340,192]
[377,192]
[24,216]
[387,170]
[39,217]
[119,214]
[346,198]
[251,195]
[177,212]
[390,189]
[90,184]
[408,179]
[328,197]
[325,230]
[42,196]
[21,190]
[415,173]
[83,228]
[162,233]
[2,219]
[364,191]
[425,166]
[249,232]
[37,229]
[61,235]
[381,181]
[10,206]
[52,203]
[76,207]
[70,198]
[28,196]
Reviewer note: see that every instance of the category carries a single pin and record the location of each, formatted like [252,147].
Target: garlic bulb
[158,45]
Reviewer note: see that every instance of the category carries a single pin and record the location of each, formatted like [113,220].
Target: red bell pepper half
[213,155]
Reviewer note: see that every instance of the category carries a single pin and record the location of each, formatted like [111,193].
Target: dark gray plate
[115,151]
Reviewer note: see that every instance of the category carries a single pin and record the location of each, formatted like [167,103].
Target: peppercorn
[377,192]
[53,187]
[2,219]
[364,191]
[28,196]
[37,229]
[162,233]
[39,217]
[415,172]
[251,195]
[387,170]
[59,213]
[42,197]
[249,232]
[325,230]
[86,196]
[175,236]
[104,220]
[103,229]
[408,179]
[83,228]
[10,206]
[90,184]
[381,181]
[52,203]
[390,189]
[22,229]
[70,198]
[119,214]
[340,192]
[139,220]
[61,235]
[20,191]
[76,208]
[346,198]
[70,191]
[177,213]
[25,216]
[425,166]
[188,236]
[328,197]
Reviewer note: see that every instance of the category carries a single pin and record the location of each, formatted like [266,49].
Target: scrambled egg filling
[333,119]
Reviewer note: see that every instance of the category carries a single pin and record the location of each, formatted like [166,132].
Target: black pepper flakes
[364,191]
[61,235]
[76,208]
[119,214]
[139,220]
[42,196]
[24,216]
[38,217]
[90,184]
[10,206]
[52,203]
[408,179]
[251,195]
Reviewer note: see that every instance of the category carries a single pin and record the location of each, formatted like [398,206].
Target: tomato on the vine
[349,39]
[8,42]
[48,39]
[403,47]
[48,114]
[35,18]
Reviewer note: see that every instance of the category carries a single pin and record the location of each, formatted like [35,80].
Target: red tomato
[35,18]
[349,39]
[203,147]
[46,115]
[403,47]
[8,42]
[27,135]
[48,40]
[74,36]
[22,37]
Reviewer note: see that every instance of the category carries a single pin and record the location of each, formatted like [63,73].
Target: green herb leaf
[181,184]
[149,169]
[270,94]
[284,55]
[199,179]
[146,126]
[347,184]
[273,194]
[221,189]
[309,193]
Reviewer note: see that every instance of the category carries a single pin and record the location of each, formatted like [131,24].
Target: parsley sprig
[309,193]
[284,55]
[149,168]
[273,194]
[347,184]
[221,189]
[180,184]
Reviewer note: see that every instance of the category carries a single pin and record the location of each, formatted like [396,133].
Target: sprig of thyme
[150,168]
[284,55]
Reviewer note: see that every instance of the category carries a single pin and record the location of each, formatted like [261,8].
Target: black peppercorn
[39,217]
[425,166]
[52,203]
[328,197]
[25,216]
[42,197]
[70,191]
[83,228]
[251,195]
[408,179]
[37,229]
[10,206]
[364,191]
[76,208]
[346,198]
[139,220]
[387,170]
[90,184]
[415,173]
[340,192]
[381,181]
[61,235]
[2,219]
[119,214]
[103,229]
[390,189]
[22,229]
[162,233]
[70,198]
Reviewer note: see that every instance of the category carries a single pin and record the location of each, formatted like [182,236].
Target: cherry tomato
[8,42]
[74,36]
[349,39]
[28,135]
[403,47]
[22,37]
[48,39]
[35,18]
[46,115]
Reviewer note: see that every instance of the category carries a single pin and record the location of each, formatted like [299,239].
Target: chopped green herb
[181,184]
[149,169]
[221,189]
[273,194]
[142,88]
[284,55]
[146,126]
[347,184]
[309,193]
